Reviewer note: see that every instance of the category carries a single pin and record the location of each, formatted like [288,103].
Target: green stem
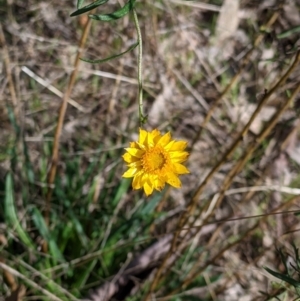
[140,57]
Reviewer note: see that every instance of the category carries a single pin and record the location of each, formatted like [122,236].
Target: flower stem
[142,118]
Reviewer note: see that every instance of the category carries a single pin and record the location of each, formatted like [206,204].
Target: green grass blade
[11,215]
[283,277]
[151,205]
[79,229]
[88,8]
[288,32]
[40,224]
[79,3]
[111,57]
[122,189]
[117,14]
[84,276]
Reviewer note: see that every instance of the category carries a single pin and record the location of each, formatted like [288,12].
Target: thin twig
[48,280]
[196,270]
[14,272]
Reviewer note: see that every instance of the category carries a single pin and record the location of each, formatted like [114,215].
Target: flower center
[154,159]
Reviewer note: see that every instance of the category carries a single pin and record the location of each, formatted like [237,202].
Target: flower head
[154,160]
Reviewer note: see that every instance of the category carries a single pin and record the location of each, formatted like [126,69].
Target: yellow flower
[154,160]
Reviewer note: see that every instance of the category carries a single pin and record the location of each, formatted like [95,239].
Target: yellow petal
[165,139]
[155,133]
[178,155]
[144,178]
[180,169]
[169,145]
[141,146]
[130,173]
[136,183]
[135,152]
[137,164]
[150,141]
[179,160]
[173,180]
[129,159]
[143,136]
[159,184]
[178,146]
[148,188]
[134,145]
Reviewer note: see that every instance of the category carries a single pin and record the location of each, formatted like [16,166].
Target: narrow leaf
[79,229]
[289,32]
[79,3]
[11,215]
[117,14]
[122,189]
[151,205]
[283,277]
[84,275]
[88,7]
[45,233]
[111,57]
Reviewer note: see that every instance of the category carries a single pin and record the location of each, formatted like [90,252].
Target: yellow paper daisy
[154,160]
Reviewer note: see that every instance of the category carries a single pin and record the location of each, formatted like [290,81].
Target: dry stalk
[190,208]
[235,275]
[196,270]
[9,279]
[243,160]
[61,117]
[248,152]
[248,196]
[31,283]
[254,144]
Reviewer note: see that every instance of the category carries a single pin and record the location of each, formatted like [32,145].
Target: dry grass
[72,228]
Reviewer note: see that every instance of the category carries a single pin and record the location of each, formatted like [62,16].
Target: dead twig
[17,274]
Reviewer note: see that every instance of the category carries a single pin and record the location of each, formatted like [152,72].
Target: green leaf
[117,14]
[79,3]
[151,205]
[45,233]
[85,274]
[283,277]
[111,57]
[88,7]
[11,215]
[122,189]
[79,229]
[289,32]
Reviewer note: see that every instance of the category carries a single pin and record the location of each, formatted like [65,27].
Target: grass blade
[111,57]
[11,215]
[44,231]
[117,14]
[88,7]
